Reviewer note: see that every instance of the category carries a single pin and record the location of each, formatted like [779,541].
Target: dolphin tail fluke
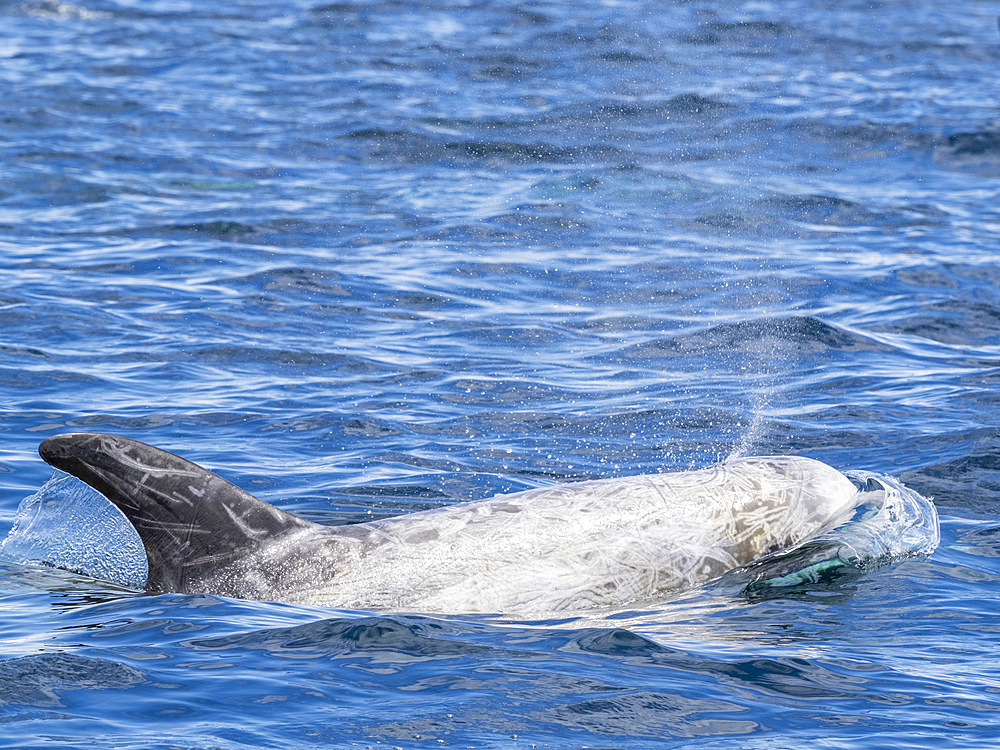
[197,528]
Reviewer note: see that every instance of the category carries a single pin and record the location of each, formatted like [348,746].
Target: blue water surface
[367,258]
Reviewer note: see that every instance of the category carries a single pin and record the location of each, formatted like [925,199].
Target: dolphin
[576,547]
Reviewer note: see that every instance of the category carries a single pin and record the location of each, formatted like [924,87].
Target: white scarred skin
[574,548]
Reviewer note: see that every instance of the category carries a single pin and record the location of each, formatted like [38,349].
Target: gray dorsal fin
[193,523]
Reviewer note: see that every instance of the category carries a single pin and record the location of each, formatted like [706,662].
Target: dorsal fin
[193,523]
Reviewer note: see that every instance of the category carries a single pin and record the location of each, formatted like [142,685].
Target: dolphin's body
[579,546]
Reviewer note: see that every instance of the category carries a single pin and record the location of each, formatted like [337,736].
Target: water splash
[890,522]
[69,525]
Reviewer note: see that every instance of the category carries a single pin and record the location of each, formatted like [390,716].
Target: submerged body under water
[375,259]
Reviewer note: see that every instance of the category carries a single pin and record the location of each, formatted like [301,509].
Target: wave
[807,333]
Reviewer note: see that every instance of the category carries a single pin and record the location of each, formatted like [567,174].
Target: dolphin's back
[590,544]
[577,546]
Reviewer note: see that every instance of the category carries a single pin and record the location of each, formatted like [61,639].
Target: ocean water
[369,258]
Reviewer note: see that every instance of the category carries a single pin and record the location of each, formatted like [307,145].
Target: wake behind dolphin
[580,546]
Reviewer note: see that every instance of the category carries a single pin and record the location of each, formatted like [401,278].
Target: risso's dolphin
[579,546]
